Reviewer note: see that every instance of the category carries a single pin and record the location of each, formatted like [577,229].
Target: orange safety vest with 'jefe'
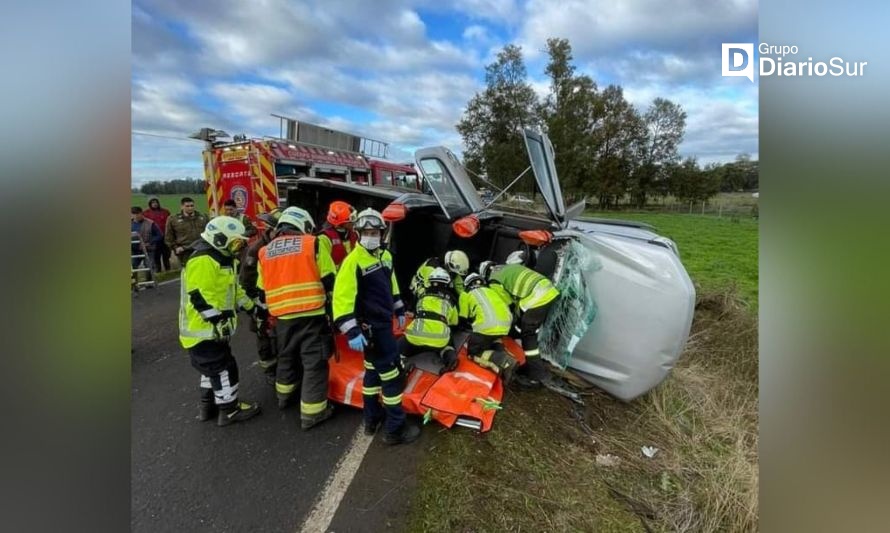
[290,275]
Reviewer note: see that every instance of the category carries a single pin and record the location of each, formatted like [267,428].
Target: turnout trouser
[487,351]
[219,371]
[304,346]
[382,375]
[529,324]
[266,344]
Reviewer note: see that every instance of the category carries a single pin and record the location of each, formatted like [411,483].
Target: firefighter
[338,236]
[490,318]
[210,297]
[455,261]
[230,209]
[532,294]
[435,314]
[366,296]
[295,276]
[266,342]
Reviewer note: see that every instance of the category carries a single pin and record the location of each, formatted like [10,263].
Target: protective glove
[449,360]
[216,319]
[260,312]
[358,343]
[401,319]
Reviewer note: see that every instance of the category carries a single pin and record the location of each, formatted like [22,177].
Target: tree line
[605,148]
[177,186]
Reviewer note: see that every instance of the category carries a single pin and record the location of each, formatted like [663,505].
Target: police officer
[366,296]
[184,229]
[435,314]
[295,275]
[490,318]
[230,209]
[532,294]
[210,297]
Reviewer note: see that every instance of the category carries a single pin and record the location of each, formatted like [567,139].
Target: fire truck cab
[257,173]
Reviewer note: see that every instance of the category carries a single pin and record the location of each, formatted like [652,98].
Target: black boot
[371,427]
[283,402]
[206,408]
[534,375]
[310,421]
[409,433]
[236,412]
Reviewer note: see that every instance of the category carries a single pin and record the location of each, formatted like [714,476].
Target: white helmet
[516,258]
[298,218]
[473,280]
[457,262]
[438,276]
[485,269]
[225,234]
[369,219]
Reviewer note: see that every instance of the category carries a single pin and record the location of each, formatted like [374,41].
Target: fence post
[703,207]
[720,212]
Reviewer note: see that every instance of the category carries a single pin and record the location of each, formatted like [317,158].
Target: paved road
[261,475]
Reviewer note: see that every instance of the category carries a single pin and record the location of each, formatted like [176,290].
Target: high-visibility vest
[489,314]
[291,277]
[339,248]
[430,326]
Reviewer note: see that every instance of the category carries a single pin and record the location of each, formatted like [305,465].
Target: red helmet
[340,213]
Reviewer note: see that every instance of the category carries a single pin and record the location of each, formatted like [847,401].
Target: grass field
[549,465]
[719,253]
[170,201]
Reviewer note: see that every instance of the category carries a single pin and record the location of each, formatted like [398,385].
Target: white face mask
[370,243]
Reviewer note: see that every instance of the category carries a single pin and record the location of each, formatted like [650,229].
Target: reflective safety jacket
[209,287]
[365,291]
[418,282]
[486,311]
[336,245]
[523,286]
[432,322]
[294,275]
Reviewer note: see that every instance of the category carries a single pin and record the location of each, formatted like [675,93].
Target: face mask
[370,243]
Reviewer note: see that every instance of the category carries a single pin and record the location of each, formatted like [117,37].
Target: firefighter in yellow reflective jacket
[434,316]
[456,262]
[210,296]
[532,294]
[490,318]
[295,277]
[366,296]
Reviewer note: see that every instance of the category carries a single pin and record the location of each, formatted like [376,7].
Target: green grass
[170,201]
[719,253]
[537,469]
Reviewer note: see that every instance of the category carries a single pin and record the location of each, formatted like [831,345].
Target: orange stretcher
[469,396]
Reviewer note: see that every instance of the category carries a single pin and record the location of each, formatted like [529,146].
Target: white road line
[329,499]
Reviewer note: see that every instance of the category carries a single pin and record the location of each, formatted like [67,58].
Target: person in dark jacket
[159,216]
[266,341]
[148,232]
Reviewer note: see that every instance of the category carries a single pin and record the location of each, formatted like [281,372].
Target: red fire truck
[257,173]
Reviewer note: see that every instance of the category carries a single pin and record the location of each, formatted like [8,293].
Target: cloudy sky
[402,71]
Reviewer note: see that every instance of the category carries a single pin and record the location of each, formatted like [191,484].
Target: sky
[402,71]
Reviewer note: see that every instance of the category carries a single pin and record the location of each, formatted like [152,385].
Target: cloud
[596,28]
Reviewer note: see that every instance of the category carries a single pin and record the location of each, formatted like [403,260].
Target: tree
[666,124]
[491,126]
[177,186]
[617,142]
[690,184]
[569,113]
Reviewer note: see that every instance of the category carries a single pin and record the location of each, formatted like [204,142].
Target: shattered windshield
[443,187]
